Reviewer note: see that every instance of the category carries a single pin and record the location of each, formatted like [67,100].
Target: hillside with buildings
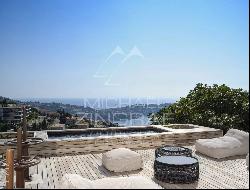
[42,117]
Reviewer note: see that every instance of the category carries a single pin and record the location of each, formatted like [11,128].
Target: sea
[101,103]
[106,103]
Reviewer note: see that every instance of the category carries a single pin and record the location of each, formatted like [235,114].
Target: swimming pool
[88,133]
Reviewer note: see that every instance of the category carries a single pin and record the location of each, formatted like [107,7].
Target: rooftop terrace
[214,174]
[84,157]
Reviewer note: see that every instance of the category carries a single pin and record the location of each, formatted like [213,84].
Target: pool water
[64,135]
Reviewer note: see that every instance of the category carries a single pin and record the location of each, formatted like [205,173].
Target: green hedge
[214,106]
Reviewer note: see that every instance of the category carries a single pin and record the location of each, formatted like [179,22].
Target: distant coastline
[124,112]
[100,103]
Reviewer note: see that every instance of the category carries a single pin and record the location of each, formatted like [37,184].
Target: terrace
[83,156]
[224,174]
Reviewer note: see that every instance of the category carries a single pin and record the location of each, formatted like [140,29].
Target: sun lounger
[234,143]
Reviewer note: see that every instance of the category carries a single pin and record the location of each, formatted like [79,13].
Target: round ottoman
[122,160]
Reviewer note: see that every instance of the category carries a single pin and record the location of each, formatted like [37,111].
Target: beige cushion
[74,181]
[242,136]
[234,143]
[122,160]
[135,182]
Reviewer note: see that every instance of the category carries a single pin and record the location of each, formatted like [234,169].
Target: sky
[121,48]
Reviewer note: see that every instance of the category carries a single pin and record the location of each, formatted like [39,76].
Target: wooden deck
[214,174]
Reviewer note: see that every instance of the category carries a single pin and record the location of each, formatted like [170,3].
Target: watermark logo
[108,78]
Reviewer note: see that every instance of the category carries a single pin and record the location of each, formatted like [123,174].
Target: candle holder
[23,161]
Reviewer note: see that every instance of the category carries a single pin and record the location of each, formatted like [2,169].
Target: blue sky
[54,48]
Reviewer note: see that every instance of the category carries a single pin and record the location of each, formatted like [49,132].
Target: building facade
[12,115]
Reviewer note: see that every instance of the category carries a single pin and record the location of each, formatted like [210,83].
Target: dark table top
[177,160]
[173,149]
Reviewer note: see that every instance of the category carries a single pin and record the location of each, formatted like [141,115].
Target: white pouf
[122,160]
[135,182]
[74,181]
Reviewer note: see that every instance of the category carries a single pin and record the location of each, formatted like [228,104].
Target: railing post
[19,170]
[9,169]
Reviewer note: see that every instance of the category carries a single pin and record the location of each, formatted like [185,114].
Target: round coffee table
[176,169]
[172,151]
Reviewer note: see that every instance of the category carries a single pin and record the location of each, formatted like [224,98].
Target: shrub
[214,106]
